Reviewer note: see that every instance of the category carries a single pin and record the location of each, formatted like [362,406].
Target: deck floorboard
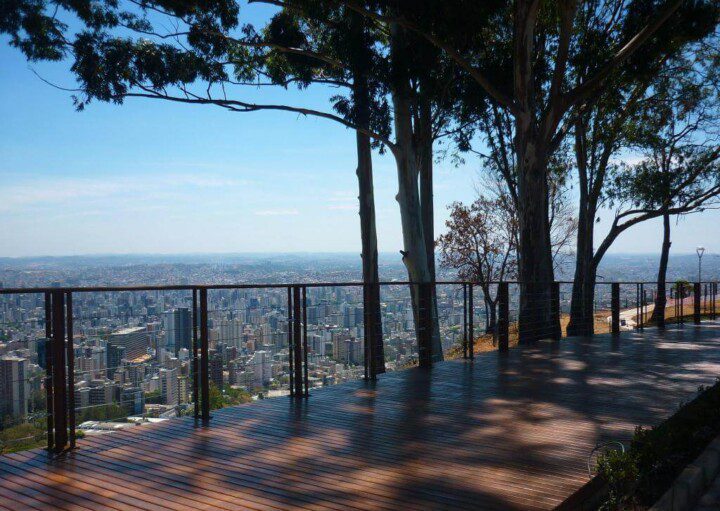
[505,432]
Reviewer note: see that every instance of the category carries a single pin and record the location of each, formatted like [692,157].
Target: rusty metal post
[59,373]
[503,316]
[306,380]
[424,330]
[70,369]
[615,308]
[681,293]
[641,295]
[204,362]
[195,365]
[555,308]
[291,342]
[465,311]
[471,321]
[49,373]
[696,302]
[297,342]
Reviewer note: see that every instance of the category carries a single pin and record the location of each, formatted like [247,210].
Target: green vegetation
[657,456]
[228,396]
[21,437]
[111,412]
[153,398]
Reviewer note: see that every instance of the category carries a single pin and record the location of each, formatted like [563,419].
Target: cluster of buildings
[133,350]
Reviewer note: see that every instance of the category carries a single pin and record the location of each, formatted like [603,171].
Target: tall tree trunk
[535,250]
[491,318]
[658,314]
[368,231]
[424,138]
[583,290]
[408,196]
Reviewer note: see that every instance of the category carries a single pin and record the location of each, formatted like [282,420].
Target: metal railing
[423,312]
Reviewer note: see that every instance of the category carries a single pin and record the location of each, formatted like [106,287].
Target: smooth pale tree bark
[660,300]
[407,160]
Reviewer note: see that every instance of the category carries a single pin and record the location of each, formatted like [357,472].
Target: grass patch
[638,477]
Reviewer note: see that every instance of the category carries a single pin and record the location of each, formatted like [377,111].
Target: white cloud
[343,207]
[62,191]
[276,212]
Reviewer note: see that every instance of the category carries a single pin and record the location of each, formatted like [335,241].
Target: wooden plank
[510,432]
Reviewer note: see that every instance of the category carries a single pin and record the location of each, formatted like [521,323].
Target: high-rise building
[216,370]
[133,400]
[115,357]
[169,386]
[135,340]
[14,386]
[261,366]
[178,329]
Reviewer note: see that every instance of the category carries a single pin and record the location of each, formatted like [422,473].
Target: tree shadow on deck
[507,431]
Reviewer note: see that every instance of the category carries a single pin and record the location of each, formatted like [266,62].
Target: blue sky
[155,177]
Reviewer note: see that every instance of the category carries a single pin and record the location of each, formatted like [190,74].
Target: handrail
[190,287]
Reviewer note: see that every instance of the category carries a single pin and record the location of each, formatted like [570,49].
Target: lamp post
[700,251]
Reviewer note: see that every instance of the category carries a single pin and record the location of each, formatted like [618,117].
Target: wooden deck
[505,432]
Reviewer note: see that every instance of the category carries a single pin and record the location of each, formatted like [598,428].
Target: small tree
[680,171]
[480,244]
[482,239]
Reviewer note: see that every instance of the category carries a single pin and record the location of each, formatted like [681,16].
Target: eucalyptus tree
[678,138]
[606,131]
[202,53]
[524,59]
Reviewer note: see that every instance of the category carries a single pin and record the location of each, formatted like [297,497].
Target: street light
[700,251]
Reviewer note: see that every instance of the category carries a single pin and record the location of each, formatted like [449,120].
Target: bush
[658,455]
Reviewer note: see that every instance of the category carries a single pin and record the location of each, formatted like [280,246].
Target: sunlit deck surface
[503,432]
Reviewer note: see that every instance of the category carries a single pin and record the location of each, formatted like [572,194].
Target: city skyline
[142,178]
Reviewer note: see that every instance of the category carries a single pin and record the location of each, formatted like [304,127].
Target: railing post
[425,324]
[59,373]
[696,302]
[660,314]
[503,317]
[714,287]
[681,293]
[297,343]
[49,373]
[195,365]
[615,308]
[641,295]
[555,308]
[306,381]
[70,369]
[371,332]
[204,362]
[291,342]
[465,325]
[471,327]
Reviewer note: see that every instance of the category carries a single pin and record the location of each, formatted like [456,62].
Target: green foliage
[153,398]
[682,289]
[21,437]
[620,471]
[111,412]
[228,396]
[658,455]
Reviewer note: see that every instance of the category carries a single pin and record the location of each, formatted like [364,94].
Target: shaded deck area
[503,432]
